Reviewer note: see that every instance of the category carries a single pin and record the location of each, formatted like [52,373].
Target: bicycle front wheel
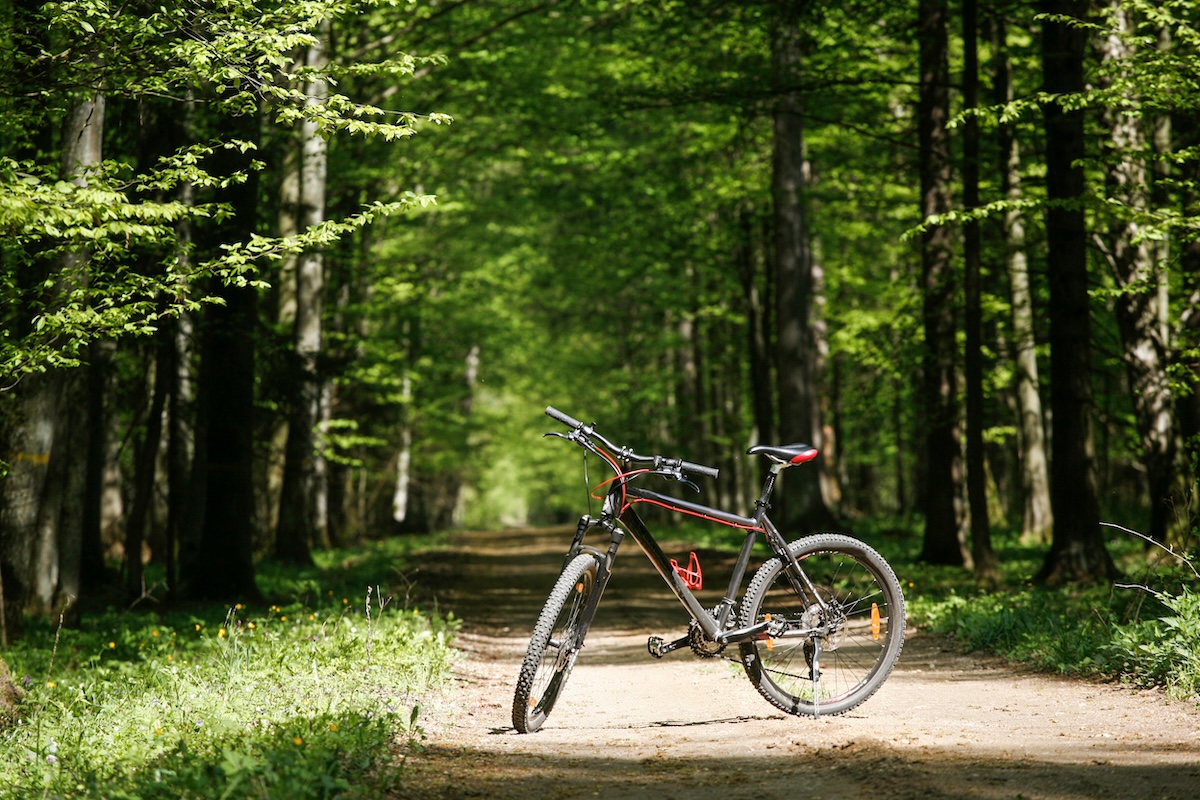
[555,644]
[819,659]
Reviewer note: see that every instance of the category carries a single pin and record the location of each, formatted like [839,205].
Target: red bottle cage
[692,576]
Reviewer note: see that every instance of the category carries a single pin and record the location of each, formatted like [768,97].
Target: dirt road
[945,725]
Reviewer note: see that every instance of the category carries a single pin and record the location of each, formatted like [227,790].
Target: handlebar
[624,453]
[699,469]
[565,419]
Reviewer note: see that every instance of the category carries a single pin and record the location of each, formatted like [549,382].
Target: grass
[1143,630]
[317,695]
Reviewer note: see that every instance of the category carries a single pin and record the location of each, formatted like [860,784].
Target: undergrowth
[1143,630]
[316,696]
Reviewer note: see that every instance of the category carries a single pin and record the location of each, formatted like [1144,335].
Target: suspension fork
[603,572]
[586,523]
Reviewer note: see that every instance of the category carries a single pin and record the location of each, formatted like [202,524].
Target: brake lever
[676,474]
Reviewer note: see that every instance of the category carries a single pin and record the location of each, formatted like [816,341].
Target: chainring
[700,643]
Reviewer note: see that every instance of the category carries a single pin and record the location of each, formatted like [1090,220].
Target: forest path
[945,725]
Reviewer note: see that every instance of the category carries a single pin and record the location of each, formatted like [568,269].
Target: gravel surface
[945,725]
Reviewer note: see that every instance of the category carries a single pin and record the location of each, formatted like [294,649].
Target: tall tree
[1037,516]
[751,261]
[302,520]
[1077,550]
[41,522]
[1139,275]
[796,351]
[944,540]
[220,562]
[986,566]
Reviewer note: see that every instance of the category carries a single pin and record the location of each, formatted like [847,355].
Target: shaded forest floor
[945,725]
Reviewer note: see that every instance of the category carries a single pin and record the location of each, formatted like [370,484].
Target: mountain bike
[818,629]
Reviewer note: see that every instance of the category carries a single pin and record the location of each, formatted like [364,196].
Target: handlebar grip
[565,419]
[699,469]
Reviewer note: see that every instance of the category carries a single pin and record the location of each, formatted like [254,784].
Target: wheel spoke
[837,653]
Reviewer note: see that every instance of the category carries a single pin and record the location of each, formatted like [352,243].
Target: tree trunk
[1037,518]
[944,541]
[94,573]
[222,564]
[402,486]
[146,463]
[757,328]
[1077,550]
[1138,276]
[218,548]
[181,432]
[689,399]
[987,569]
[1186,129]
[302,494]
[824,412]
[41,500]
[1189,404]
[800,501]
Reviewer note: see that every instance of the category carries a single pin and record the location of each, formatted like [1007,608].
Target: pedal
[659,647]
[654,645]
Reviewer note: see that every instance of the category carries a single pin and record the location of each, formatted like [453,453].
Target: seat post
[763,502]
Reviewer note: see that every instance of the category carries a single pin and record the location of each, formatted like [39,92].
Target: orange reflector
[579,587]
[532,702]
[770,644]
[875,621]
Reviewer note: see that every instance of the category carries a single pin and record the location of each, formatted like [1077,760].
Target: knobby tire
[553,646]
[863,628]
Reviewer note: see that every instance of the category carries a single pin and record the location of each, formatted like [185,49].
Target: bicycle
[818,629]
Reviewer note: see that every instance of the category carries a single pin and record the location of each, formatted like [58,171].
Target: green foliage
[127,231]
[596,193]
[1040,627]
[1132,633]
[1164,650]
[306,699]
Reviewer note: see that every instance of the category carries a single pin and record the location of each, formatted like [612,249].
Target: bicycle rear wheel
[836,657]
[555,644]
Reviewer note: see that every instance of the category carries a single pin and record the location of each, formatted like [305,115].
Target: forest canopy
[280,276]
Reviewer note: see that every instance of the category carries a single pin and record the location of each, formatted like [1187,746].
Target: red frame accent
[596,489]
[704,517]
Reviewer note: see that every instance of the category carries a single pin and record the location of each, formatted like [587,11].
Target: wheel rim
[854,639]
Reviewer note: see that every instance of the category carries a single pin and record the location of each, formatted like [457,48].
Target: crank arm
[658,647]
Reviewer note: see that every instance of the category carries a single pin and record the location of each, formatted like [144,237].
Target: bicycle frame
[620,516]
[838,612]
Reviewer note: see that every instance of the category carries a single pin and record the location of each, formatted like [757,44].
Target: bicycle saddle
[785,453]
